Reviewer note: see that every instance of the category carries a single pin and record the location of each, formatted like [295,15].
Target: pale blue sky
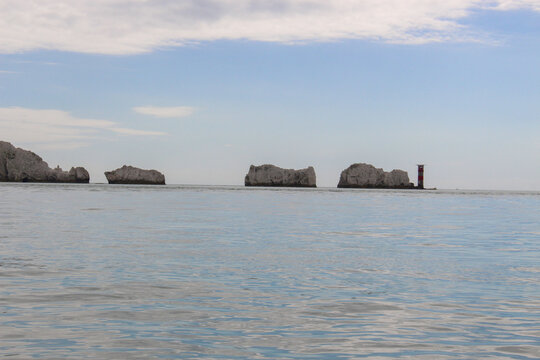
[454,85]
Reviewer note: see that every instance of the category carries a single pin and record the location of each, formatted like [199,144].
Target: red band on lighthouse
[420,176]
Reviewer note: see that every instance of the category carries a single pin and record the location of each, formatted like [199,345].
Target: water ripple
[194,272]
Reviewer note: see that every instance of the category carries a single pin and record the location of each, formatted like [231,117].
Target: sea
[94,271]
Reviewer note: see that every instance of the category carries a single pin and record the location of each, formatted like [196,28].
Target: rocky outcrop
[133,175]
[18,165]
[367,176]
[270,175]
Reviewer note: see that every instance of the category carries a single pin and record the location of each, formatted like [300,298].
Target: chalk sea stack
[270,175]
[368,176]
[19,165]
[133,175]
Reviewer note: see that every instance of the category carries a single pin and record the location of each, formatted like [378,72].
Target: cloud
[47,63]
[518,4]
[59,146]
[57,128]
[132,27]
[165,112]
[125,131]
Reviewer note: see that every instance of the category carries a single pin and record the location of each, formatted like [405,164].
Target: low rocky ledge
[133,175]
[368,176]
[19,165]
[270,175]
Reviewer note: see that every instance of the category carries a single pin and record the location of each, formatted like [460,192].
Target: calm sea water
[126,272]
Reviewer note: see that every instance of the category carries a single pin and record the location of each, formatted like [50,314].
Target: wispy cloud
[165,112]
[57,128]
[59,146]
[7,72]
[131,27]
[518,4]
[47,63]
[135,132]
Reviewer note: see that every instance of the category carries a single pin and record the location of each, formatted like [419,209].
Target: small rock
[133,175]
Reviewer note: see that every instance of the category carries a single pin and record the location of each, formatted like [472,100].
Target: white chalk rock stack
[133,175]
[19,165]
[270,175]
[368,176]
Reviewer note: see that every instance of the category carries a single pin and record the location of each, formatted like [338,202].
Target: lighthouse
[421,176]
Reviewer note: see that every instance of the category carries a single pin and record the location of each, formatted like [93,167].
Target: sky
[202,89]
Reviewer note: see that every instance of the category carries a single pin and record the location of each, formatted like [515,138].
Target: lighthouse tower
[421,176]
